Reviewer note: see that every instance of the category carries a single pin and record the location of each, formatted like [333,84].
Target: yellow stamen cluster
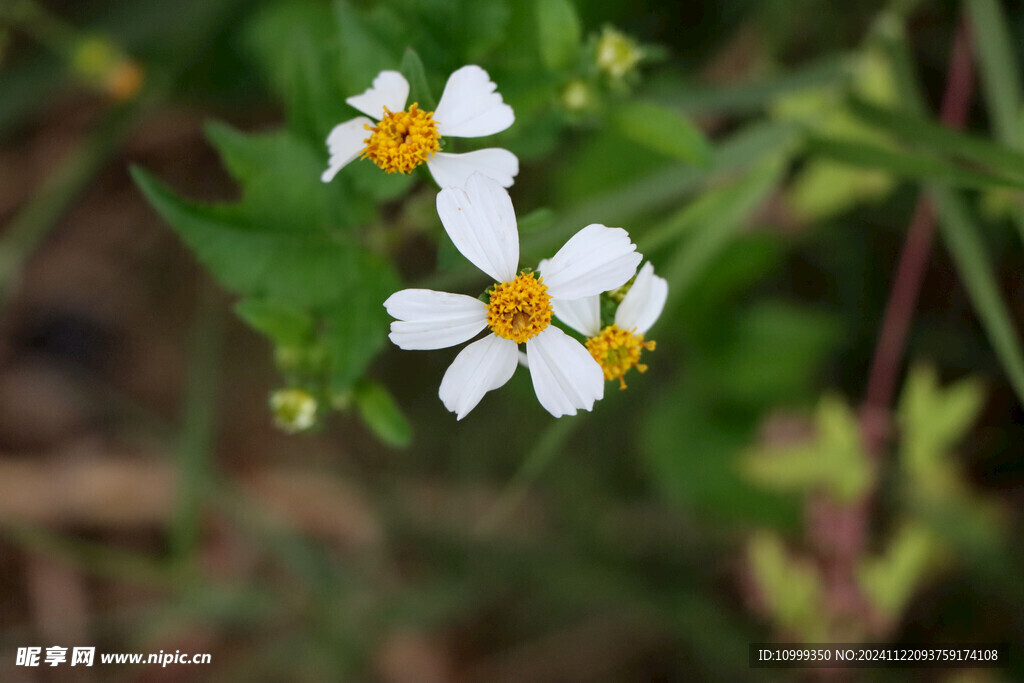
[520,309]
[402,140]
[617,350]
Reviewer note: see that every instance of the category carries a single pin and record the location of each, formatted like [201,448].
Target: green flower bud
[294,409]
[617,54]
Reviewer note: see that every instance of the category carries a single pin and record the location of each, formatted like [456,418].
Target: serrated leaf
[279,174]
[304,269]
[891,579]
[285,325]
[833,461]
[663,130]
[932,419]
[380,412]
[327,277]
[559,34]
[790,587]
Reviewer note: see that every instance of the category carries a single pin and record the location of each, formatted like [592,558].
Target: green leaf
[712,222]
[285,325]
[939,139]
[833,461]
[289,42]
[380,412]
[279,174]
[906,164]
[448,34]
[891,579]
[829,72]
[932,419]
[419,89]
[356,332]
[963,239]
[735,357]
[690,443]
[309,271]
[362,51]
[659,190]
[305,269]
[1000,75]
[559,32]
[824,189]
[536,220]
[663,130]
[790,587]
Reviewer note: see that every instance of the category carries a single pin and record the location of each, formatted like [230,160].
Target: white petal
[453,170]
[434,320]
[470,107]
[523,360]
[389,89]
[480,367]
[596,259]
[582,315]
[345,143]
[643,302]
[565,376]
[481,223]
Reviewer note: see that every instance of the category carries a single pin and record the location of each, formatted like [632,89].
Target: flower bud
[617,54]
[294,409]
[102,64]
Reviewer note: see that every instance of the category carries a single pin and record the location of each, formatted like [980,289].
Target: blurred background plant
[208,444]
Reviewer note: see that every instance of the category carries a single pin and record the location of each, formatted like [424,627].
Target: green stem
[37,218]
[97,559]
[548,446]
[40,23]
[195,443]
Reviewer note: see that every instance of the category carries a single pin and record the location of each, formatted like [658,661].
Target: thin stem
[839,531]
[549,445]
[913,263]
[38,22]
[31,225]
[196,438]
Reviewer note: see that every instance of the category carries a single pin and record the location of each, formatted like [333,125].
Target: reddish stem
[913,263]
[839,531]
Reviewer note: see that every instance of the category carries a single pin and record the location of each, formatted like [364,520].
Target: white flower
[617,347]
[404,139]
[481,223]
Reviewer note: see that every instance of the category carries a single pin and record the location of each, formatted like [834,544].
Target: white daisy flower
[617,347]
[404,139]
[482,224]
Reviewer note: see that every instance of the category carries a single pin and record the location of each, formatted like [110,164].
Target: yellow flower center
[521,309]
[617,350]
[402,140]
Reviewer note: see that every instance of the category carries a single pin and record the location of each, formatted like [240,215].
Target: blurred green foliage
[766,167]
